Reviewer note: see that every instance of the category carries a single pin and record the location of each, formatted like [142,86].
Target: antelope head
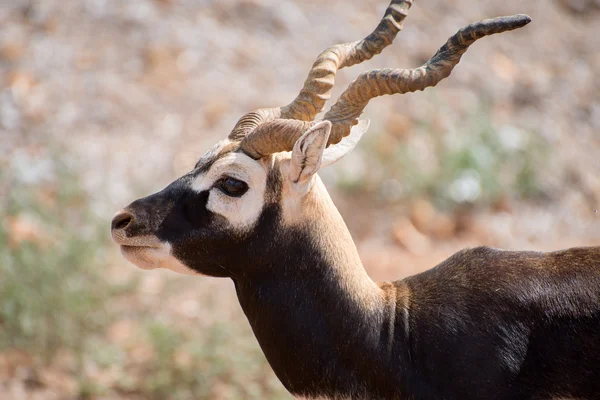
[257,191]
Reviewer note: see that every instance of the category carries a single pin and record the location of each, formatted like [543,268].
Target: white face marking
[242,212]
[158,256]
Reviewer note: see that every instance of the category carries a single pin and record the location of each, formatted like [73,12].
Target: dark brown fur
[493,324]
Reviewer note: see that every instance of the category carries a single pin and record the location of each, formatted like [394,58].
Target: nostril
[121,220]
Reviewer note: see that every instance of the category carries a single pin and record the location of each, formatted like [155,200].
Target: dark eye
[232,187]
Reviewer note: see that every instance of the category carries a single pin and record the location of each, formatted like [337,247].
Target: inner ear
[308,152]
[335,152]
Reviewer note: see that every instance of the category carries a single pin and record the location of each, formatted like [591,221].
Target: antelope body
[484,324]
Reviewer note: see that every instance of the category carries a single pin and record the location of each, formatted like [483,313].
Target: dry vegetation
[102,101]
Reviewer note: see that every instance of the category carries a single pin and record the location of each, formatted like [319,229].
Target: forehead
[219,150]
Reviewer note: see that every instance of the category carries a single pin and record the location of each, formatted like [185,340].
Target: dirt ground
[137,90]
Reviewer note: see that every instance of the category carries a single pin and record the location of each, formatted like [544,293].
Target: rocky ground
[133,92]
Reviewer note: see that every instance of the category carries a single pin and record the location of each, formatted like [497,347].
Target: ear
[308,152]
[334,153]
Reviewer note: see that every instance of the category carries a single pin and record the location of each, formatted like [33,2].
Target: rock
[20,82]
[409,237]
[122,331]
[422,215]
[464,219]
[25,228]
[64,383]
[503,204]
[12,51]
[399,126]
[504,67]
[580,6]
[214,111]
[443,227]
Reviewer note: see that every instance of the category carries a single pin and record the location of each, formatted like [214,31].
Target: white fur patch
[242,212]
[155,257]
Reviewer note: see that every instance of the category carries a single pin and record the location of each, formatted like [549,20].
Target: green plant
[222,362]
[52,292]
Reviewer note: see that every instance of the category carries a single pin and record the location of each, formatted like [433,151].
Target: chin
[142,257]
[148,258]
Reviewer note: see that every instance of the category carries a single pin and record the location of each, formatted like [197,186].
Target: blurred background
[104,101]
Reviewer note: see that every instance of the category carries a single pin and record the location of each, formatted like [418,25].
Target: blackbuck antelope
[484,324]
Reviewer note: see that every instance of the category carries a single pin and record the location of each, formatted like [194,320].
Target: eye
[232,187]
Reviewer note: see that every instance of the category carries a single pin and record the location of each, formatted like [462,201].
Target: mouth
[149,241]
[144,257]
[153,257]
[132,247]
[144,251]
[148,252]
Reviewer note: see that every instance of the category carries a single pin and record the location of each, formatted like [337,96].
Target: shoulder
[478,271]
[489,272]
[480,262]
[582,259]
[482,255]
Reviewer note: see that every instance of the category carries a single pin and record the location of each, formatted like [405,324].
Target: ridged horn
[317,87]
[345,112]
[274,136]
[321,78]
[281,134]
[252,120]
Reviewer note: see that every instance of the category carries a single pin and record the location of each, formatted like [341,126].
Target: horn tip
[522,19]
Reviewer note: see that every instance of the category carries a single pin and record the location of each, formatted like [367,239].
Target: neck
[323,324]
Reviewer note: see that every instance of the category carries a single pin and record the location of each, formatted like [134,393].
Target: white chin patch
[155,257]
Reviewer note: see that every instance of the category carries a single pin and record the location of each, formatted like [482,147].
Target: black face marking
[274,186]
[204,164]
[193,209]
[208,159]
